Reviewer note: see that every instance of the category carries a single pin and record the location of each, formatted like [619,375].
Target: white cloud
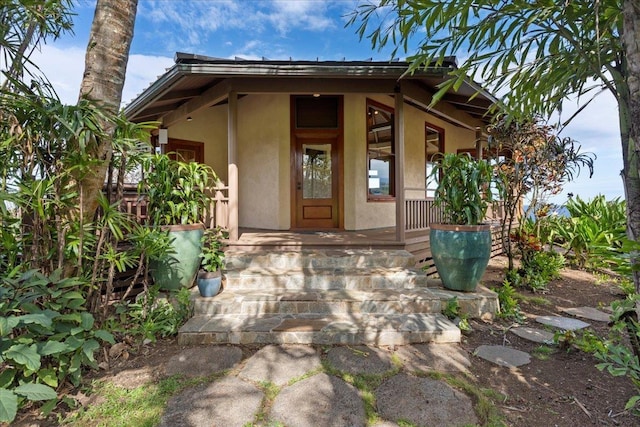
[64,68]
[143,70]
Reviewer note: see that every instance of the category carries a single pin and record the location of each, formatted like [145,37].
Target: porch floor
[379,238]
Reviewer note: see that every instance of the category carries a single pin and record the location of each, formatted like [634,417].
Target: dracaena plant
[177,191]
[464,188]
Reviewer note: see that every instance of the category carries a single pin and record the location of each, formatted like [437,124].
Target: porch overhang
[196,82]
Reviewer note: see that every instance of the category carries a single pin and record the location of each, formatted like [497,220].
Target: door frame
[317,133]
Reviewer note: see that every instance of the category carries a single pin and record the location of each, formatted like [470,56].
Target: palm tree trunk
[103,80]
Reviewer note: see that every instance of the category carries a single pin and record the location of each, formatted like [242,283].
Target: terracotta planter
[180,268]
[461,254]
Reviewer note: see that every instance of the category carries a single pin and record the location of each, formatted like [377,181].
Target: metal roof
[192,75]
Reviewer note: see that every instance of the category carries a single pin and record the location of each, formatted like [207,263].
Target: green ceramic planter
[179,269]
[461,254]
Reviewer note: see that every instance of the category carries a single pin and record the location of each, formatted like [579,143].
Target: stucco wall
[208,126]
[263,161]
[264,157]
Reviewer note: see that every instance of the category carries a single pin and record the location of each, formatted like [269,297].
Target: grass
[486,410]
[141,406]
[543,352]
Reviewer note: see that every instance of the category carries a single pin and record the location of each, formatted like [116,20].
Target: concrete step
[318,259]
[274,301]
[325,278]
[351,328]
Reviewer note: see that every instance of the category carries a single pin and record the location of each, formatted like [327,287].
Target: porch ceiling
[195,76]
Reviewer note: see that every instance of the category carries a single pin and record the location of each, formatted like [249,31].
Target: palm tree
[103,80]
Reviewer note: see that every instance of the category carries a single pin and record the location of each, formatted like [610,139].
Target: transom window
[433,143]
[380,151]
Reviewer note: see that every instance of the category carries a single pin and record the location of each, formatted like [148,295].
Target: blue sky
[282,29]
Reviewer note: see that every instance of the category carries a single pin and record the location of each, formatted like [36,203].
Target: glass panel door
[316,171]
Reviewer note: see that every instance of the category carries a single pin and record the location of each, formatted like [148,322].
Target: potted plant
[212,261]
[177,197]
[461,246]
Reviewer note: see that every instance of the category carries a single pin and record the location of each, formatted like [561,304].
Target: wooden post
[398,136]
[232,148]
[479,143]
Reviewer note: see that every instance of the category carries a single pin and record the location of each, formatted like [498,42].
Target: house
[333,146]
[326,164]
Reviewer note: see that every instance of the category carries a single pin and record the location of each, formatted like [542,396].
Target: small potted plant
[461,246]
[177,196]
[212,261]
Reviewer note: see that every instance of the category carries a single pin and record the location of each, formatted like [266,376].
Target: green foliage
[212,249]
[594,234]
[536,53]
[452,311]
[509,306]
[616,357]
[464,187]
[46,337]
[153,315]
[176,191]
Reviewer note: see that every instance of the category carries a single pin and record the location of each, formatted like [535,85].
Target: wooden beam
[443,109]
[232,149]
[209,97]
[399,164]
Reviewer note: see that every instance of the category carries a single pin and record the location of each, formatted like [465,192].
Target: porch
[419,214]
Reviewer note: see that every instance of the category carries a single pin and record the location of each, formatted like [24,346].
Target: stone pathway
[588,313]
[301,385]
[533,334]
[565,323]
[309,389]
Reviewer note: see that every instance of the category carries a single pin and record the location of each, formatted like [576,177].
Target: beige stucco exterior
[264,163]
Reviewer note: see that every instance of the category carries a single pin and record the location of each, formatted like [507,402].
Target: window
[433,143]
[316,112]
[380,152]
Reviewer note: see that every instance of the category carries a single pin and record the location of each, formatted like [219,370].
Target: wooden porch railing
[216,215]
[420,213]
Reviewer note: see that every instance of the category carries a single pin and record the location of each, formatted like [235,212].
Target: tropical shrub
[46,338]
[509,306]
[617,358]
[594,233]
[530,160]
[538,266]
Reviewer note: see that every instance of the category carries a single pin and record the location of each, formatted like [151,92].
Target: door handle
[299,186]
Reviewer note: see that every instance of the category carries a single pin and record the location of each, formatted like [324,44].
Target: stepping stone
[203,361]
[503,356]
[434,357]
[424,402]
[360,359]
[320,401]
[588,313]
[280,364]
[229,402]
[565,323]
[533,334]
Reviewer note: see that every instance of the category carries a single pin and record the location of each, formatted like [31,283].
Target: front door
[316,182]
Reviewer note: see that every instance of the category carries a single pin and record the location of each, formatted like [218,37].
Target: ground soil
[563,389]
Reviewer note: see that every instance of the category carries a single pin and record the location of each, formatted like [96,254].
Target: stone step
[260,302]
[351,328]
[318,259]
[365,279]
